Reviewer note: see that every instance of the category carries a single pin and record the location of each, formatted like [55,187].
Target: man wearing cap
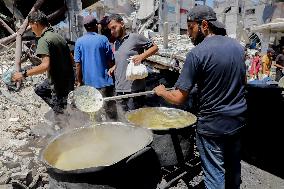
[93,56]
[128,45]
[217,66]
[55,60]
[267,62]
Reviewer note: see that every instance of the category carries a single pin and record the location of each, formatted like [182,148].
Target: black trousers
[131,103]
[56,102]
[128,104]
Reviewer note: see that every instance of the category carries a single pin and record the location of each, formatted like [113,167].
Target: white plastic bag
[134,72]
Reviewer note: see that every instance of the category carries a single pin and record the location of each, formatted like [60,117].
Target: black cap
[90,21]
[203,12]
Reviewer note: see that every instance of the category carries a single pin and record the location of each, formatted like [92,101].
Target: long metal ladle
[89,99]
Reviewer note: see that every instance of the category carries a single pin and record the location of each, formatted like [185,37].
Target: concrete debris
[173,56]
[20,112]
[21,176]
[181,185]
[18,184]
[34,181]
[6,186]
[14,119]
[4,179]
[11,165]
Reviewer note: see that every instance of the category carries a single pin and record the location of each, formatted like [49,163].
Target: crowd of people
[216,66]
[259,67]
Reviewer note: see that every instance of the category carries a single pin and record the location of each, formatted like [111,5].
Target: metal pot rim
[162,108]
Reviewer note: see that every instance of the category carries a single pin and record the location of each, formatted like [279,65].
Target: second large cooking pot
[112,154]
[173,129]
[161,118]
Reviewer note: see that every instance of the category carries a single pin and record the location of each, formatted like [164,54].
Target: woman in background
[255,67]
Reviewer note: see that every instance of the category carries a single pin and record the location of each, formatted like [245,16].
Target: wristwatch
[24,72]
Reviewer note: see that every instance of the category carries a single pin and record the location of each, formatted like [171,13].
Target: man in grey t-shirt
[128,45]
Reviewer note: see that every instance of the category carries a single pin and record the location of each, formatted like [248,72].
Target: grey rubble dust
[23,114]
[19,113]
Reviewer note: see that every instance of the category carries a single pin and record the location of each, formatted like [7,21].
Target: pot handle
[133,95]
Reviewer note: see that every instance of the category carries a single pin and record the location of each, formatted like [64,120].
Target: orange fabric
[266,64]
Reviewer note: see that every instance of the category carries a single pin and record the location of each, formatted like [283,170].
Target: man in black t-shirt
[217,66]
[55,57]
[280,65]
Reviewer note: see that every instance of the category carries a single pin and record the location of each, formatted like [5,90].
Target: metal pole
[8,39]
[161,15]
[166,35]
[20,32]
[3,23]
[177,17]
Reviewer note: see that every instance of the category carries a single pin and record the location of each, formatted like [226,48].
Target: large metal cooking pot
[161,118]
[109,153]
[173,132]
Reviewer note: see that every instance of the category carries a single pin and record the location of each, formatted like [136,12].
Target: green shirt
[60,72]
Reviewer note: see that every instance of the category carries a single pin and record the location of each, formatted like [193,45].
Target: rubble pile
[174,56]
[20,112]
[6,58]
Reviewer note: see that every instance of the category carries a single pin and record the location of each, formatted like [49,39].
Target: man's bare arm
[137,59]
[79,74]
[149,52]
[43,67]
[176,96]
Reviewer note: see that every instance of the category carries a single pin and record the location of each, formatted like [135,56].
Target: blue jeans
[220,160]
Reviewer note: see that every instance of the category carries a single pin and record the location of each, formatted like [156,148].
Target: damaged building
[243,20]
